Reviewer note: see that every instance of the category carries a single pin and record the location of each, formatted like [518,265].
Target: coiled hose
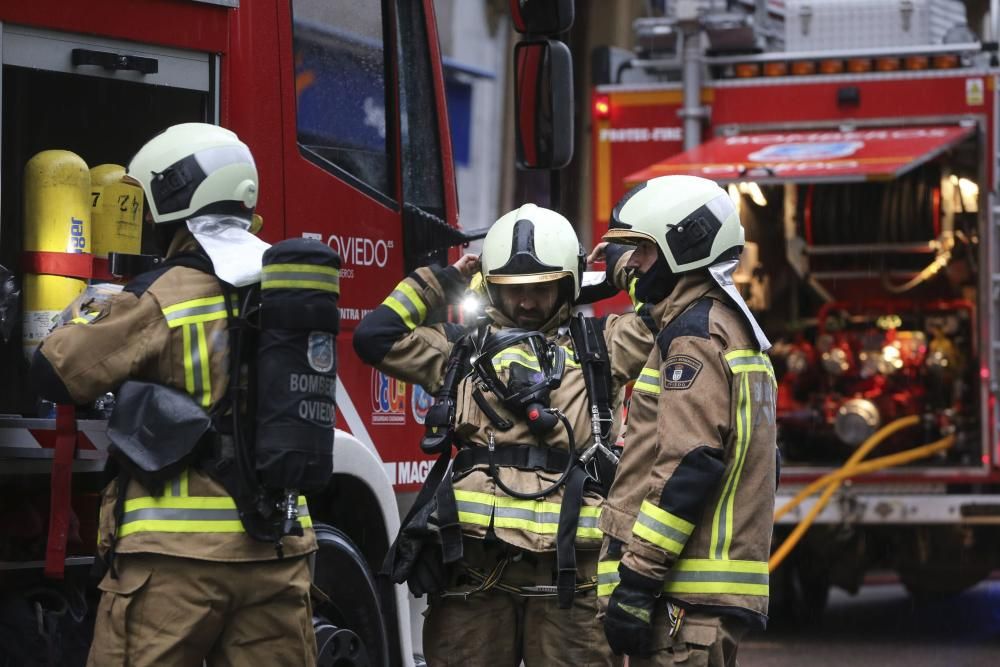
[851,468]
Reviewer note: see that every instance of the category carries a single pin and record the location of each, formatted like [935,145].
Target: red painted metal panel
[810,156]
[187,25]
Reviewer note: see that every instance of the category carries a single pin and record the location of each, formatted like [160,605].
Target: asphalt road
[883,626]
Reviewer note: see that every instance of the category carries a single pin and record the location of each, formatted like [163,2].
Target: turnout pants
[704,640]
[495,628]
[168,611]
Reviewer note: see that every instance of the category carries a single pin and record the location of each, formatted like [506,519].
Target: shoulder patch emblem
[679,371]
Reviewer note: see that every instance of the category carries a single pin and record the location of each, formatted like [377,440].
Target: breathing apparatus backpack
[271,438]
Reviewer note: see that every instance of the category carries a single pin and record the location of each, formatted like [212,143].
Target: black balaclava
[656,284]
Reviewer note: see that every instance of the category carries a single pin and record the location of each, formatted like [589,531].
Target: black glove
[628,624]
[428,574]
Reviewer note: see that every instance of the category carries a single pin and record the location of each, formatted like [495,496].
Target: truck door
[99,98]
[366,161]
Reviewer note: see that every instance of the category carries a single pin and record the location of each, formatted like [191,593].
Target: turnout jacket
[395,339]
[693,499]
[167,326]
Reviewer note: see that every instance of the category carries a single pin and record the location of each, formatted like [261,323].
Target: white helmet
[691,219]
[196,168]
[532,244]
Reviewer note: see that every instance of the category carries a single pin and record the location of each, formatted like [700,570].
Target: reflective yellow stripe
[184,484]
[188,366]
[204,362]
[205,309]
[665,530]
[300,276]
[571,361]
[648,381]
[534,516]
[722,520]
[400,310]
[405,302]
[607,577]
[85,318]
[414,298]
[748,361]
[198,514]
[735,577]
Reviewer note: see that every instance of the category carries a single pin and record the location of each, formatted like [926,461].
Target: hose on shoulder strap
[570,463]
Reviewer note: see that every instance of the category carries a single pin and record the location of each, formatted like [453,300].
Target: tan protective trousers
[703,640]
[168,611]
[499,629]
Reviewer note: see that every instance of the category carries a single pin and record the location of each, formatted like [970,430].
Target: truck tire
[350,628]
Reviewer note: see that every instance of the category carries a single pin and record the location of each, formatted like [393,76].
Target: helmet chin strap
[722,274]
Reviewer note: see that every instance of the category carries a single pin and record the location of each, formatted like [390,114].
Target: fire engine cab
[342,104]
[859,141]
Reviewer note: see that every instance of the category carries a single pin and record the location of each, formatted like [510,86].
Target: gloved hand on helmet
[628,623]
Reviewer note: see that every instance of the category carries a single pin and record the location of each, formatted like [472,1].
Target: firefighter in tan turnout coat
[688,520]
[186,583]
[500,605]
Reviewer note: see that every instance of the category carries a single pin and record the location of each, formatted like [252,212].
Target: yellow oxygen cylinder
[56,219]
[116,212]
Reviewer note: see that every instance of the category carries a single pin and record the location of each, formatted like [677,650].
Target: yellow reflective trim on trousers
[184,484]
[607,577]
[648,381]
[722,520]
[414,298]
[400,310]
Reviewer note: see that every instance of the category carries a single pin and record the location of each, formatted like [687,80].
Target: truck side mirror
[541,17]
[543,99]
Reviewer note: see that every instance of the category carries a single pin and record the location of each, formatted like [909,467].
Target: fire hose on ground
[851,468]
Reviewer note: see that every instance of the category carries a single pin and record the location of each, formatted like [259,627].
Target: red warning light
[602,107]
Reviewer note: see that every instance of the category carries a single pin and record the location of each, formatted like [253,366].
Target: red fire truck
[342,104]
[866,180]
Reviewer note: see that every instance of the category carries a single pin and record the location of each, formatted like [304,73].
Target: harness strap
[494,579]
[569,517]
[438,476]
[592,352]
[525,457]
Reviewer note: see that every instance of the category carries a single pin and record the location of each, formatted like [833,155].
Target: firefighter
[520,584]
[185,582]
[687,522]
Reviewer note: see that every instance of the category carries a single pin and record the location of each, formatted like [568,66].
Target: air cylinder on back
[297,365]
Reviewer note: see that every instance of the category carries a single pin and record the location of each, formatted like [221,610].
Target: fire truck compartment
[101,99]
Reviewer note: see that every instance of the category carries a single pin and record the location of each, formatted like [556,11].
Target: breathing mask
[521,368]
